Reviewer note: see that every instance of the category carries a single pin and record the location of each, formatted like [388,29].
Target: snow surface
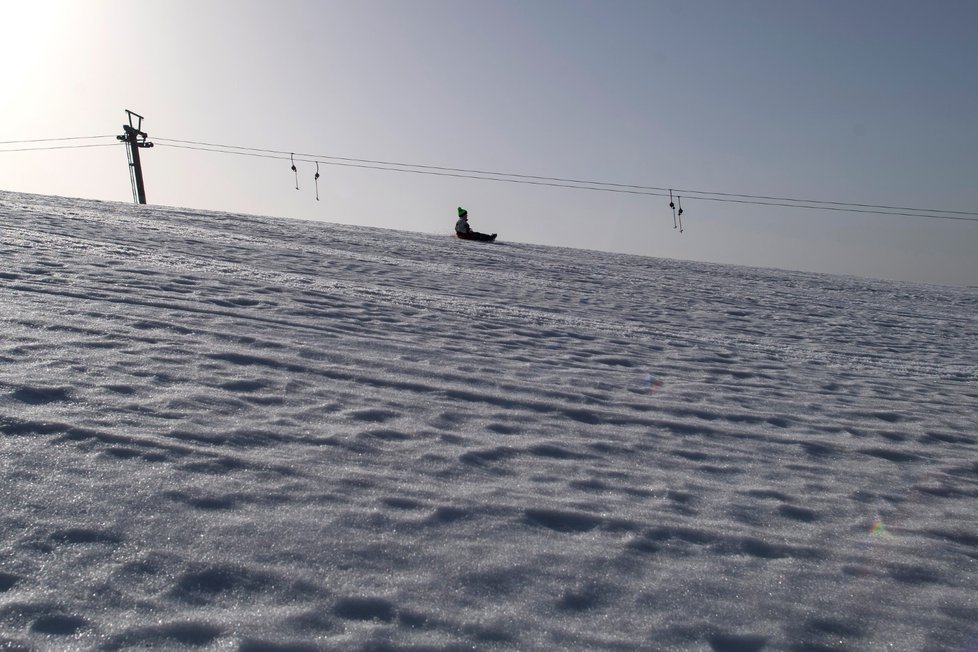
[227,432]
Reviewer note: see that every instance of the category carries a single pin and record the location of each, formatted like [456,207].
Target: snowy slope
[226,432]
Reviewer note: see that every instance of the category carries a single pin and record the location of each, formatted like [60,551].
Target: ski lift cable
[51,140]
[687,191]
[54,147]
[555,184]
[766,200]
[390,168]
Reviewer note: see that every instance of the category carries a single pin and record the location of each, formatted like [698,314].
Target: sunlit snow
[226,432]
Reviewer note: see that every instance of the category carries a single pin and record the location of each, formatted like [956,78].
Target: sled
[480,237]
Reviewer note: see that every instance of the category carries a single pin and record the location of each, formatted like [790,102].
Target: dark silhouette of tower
[136,138]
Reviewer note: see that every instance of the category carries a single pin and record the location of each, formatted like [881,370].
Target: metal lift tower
[136,138]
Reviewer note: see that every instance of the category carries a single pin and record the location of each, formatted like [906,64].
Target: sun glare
[31,38]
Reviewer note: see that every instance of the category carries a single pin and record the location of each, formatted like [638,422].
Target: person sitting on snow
[464,231]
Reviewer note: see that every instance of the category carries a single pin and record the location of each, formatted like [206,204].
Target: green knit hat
[462,212]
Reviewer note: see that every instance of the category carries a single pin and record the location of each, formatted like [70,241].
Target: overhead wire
[404,168]
[509,177]
[51,140]
[34,144]
[578,184]
[572,181]
[48,148]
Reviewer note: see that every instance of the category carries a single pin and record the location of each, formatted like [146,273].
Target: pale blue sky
[852,101]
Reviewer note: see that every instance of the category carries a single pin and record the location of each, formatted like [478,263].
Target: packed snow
[227,432]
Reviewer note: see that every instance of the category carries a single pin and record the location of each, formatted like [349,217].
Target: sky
[869,102]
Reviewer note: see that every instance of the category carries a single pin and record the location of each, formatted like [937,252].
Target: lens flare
[878,529]
[651,384]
